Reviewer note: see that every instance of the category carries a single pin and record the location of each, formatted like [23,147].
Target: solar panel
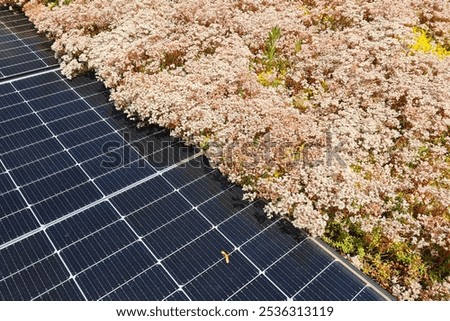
[93,208]
[21,49]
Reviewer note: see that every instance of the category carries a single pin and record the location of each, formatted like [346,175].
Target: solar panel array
[21,49]
[93,208]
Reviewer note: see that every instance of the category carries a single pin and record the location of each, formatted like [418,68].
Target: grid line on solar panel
[259,289]
[53,124]
[113,254]
[18,51]
[64,292]
[313,279]
[35,128]
[14,283]
[220,258]
[96,202]
[74,165]
[12,44]
[18,60]
[264,271]
[13,95]
[154,284]
[31,279]
[368,293]
[359,292]
[56,151]
[189,243]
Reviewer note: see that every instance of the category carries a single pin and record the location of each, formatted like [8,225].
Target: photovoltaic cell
[285,273]
[31,282]
[21,49]
[177,233]
[17,224]
[335,276]
[158,214]
[152,285]
[94,208]
[222,280]
[111,273]
[67,291]
[22,254]
[82,225]
[260,289]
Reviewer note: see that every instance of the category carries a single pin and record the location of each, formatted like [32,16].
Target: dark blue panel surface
[6,38]
[260,289]
[267,247]
[96,147]
[151,142]
[19,124]
[60,112]
[188,172]
[141,195]
[42,168]
[159,213]
[24,253]
[205,188]
[298,267]
[113,157]
[224,205]
[193,259]
[222,280]
[24,138]
[6,183]
[83,224]
[122,177]
[245,225]
[14,50]
[36,81]
[152,285]
[15,60]
[10,99]
[71,122]
[90,89]
[67,291]
[84,134]
[16,225]
[98,99]
[176,234]
[97,246]
[67,202]
[53,100]
[114,271]
[23,67]
[177,296]
[31,153]
[53,185]
[35,280]
[336,283]
[11,202]
[5,89]
[170,155]
[44,90]
[15,111]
